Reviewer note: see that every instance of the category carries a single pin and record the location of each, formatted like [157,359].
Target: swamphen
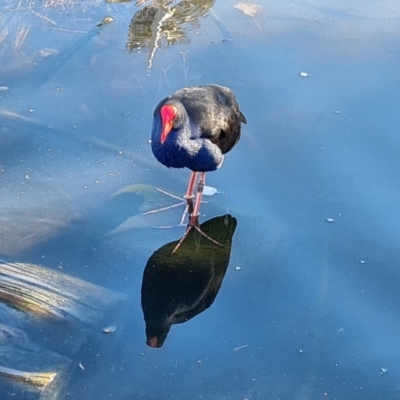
[194,128]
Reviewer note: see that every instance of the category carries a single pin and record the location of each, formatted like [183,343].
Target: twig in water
[185,68]
[141,87]
[165,74]
[20,38]
[240,347]
[41,16]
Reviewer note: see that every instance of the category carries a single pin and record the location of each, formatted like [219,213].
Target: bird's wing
[215,111]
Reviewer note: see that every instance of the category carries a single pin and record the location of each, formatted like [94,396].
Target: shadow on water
[177,287]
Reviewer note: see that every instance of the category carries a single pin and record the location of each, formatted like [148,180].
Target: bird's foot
[194,224]
[182,202]
[185,200]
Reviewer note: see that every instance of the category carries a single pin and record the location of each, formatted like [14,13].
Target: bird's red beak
[153,342]
[168,114]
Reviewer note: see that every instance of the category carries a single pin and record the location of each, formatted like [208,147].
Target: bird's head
[168,114]
[156,335]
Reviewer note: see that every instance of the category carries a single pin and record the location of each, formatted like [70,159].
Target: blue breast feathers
[181,151]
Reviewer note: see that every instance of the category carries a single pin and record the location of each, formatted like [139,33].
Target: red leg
[194,211]
[189,193]
[199,194]
[189,196]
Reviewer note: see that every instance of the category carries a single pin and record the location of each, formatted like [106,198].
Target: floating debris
[81,367]
[383,371]
[330,220]
[237,268]
[209,191]
[105,21]
[46,52]
[240,347]
[337,112]
[110,329]
[303,74]
[3,88]
[250,9]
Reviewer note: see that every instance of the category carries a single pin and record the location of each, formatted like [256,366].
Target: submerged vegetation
[21,20]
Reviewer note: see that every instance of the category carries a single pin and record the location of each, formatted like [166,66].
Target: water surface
[315,303]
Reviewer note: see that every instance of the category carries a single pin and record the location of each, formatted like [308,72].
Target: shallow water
[315,303]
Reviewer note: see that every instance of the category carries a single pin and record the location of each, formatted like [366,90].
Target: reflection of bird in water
[193,128]
[176,289]
[163,23]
